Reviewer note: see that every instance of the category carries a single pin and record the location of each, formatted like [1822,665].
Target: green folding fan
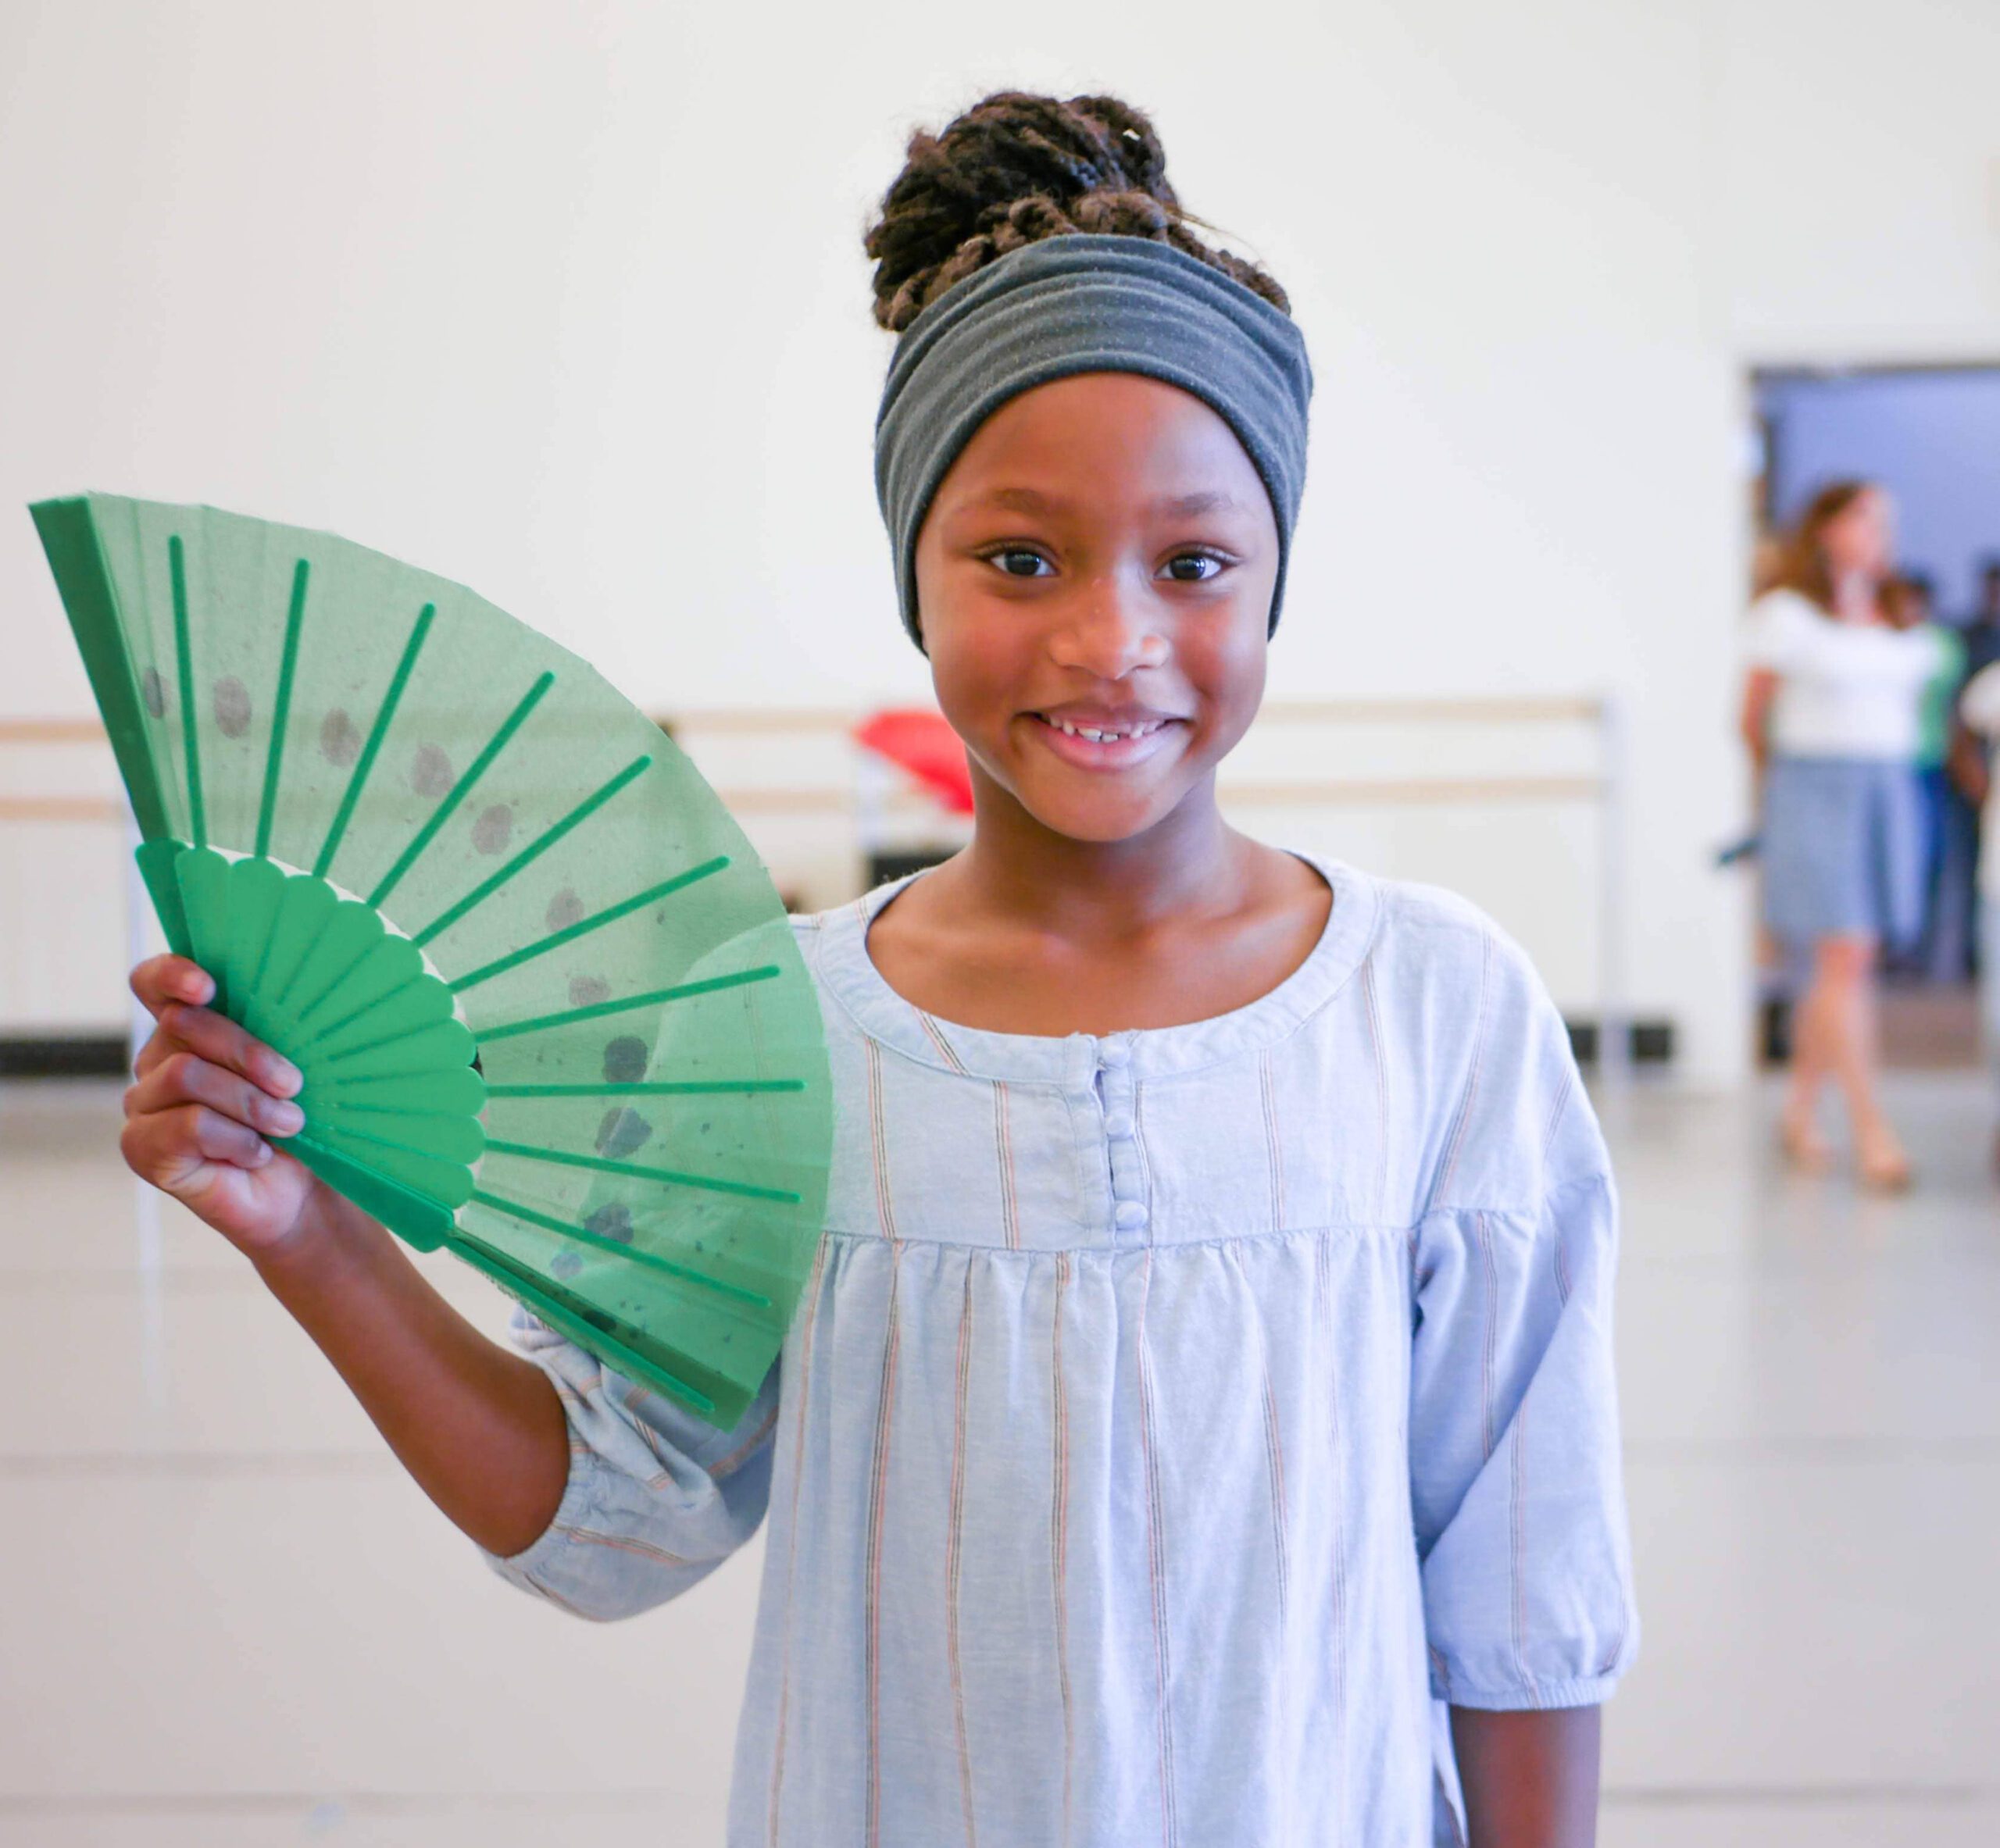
[545,999]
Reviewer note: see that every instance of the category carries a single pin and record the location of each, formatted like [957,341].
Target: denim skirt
[1843,849]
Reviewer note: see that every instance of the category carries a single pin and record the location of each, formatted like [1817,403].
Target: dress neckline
[848,972]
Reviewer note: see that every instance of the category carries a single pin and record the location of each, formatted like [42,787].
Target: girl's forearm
[480,1428]
[1530,1779]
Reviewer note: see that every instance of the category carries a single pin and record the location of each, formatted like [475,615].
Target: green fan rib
[599,1009]
[534,850]
[348,1019]
[270,935]
[390,1142]
[332,1108]
[375,1045]
[610,914]
[76,554]
[377,732]
[183,660]
[327,989]
[604,1164]
[263,962]
[721,1087]
[460,789]
[281,711]
[566,1313]
[650,1259]
[343,1085]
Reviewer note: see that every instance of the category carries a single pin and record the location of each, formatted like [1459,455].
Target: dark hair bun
[1014,169]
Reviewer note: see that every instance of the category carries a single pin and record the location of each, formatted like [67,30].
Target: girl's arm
[480,1428]
[1965,761]
[1529,1778]
[1515,1473]
[1760,687]
[1976,723]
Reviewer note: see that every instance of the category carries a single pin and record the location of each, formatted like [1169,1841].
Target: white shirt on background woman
[1845,689]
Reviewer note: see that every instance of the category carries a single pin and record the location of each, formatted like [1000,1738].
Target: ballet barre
[1308,792]
[1305,792]
[1473,709]
[1604,788]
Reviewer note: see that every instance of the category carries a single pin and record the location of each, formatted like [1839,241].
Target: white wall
[1856,175]
[567,302]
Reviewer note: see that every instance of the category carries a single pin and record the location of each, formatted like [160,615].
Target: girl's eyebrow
[1020,500]
[1028,500]
[1207,500]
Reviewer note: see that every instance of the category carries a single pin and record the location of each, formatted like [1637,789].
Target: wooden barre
[744,722]
[1580,708]
[1355,792]
[50,731]
[60,809]
[724,721]
[1416,789]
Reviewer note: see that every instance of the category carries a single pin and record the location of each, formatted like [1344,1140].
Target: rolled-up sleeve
[1516,1481]
[1515,1473]
[656,1498]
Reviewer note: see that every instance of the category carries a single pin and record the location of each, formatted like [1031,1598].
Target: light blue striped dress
[1170,1418]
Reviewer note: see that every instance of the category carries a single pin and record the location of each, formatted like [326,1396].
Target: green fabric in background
[1940,697]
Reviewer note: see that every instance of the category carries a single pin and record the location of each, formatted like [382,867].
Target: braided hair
[1014,169]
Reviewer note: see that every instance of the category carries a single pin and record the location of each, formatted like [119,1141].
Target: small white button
[1130,1216]
[1117,1125]
[1114,1052]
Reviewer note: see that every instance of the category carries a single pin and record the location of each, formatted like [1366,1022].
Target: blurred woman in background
[1832,716]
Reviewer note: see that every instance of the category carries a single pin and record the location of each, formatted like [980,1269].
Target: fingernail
[286,1076]
[287,1119]
[197,988]
[260,1154]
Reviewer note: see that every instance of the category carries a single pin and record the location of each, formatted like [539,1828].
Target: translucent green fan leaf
[545,999]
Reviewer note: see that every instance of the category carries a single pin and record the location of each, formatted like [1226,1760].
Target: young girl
[1207,1364]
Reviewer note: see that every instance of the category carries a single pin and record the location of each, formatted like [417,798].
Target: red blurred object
[918,740]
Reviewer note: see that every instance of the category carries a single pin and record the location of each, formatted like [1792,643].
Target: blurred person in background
[1971,755]
[1908,603]
[1832,710]
[1981,627]
[1979,714]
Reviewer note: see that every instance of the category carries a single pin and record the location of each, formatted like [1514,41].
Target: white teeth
[1105,737]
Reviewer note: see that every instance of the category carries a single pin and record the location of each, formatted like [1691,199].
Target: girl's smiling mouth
[1096,738]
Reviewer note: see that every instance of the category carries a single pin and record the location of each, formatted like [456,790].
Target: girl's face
[1094,578]
[1860,540]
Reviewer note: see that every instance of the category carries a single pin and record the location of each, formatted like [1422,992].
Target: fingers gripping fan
[546,1002]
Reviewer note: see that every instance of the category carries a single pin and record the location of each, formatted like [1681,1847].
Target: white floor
[225,1620]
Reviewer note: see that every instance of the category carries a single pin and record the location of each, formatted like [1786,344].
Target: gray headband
[1084,303]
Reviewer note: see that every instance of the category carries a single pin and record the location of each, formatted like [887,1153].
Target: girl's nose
[1108,631]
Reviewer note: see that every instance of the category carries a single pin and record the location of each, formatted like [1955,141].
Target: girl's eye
[1193,568]
[1017,561]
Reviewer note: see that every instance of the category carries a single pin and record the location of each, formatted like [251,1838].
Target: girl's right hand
[198,1120]
[478,1425]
